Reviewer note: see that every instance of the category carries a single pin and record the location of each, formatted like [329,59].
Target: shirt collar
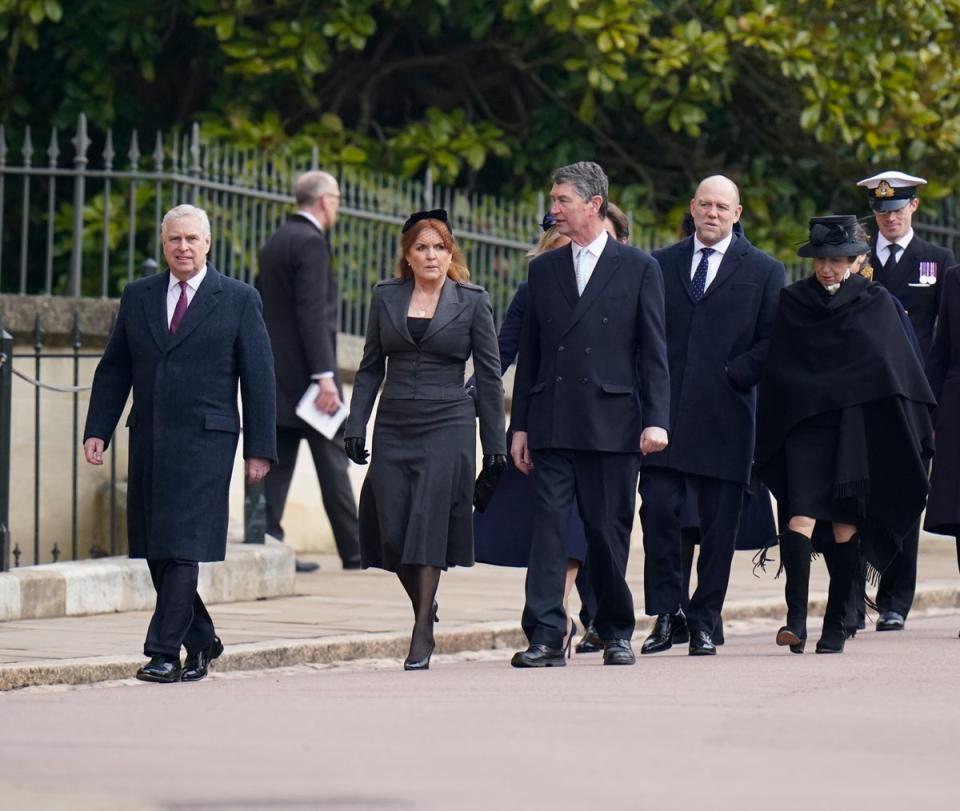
[193,282]
[720,247]
[882,241]
[308,216]
[596,247]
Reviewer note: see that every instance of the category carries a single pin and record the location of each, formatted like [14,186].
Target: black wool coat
[716,348]
[922,302]
[943,371]
[592,369]
[184,423]
[300,298]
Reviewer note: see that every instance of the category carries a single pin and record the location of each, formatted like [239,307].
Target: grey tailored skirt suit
[416,505]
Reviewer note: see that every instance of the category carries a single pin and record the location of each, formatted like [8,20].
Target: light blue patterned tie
[580,271]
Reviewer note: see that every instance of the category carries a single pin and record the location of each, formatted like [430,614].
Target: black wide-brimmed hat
[834,235]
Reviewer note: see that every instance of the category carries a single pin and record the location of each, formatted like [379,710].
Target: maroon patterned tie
[180,310]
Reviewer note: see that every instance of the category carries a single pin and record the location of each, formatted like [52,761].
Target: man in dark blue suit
[721,298]
[182,342]
[591,390]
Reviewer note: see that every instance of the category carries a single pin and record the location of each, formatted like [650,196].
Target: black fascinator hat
[833,236]
[434,214]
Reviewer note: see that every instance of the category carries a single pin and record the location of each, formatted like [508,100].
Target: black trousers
[661,493]
[898,583]
[331,463]
[588,597]
[180,617]
[605,488]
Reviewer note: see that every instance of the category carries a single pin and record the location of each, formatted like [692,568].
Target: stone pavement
[338,616]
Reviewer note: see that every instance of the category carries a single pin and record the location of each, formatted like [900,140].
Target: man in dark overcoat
[721,298]
[912,269]
[300,301]
[182,342]
[591,391]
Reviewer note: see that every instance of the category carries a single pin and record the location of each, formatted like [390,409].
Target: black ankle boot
[846,562]
[795,551]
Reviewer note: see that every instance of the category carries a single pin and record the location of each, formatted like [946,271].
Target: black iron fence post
[6,385]
[254,513]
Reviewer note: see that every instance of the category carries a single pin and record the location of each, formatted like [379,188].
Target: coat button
[561,348]
[605,320]
[586,380]
[559,379]
[587,350]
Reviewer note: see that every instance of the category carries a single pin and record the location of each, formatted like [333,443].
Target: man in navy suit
[721,299]
[591,390]
[182,342]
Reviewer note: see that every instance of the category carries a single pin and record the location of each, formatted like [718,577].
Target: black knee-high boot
[846,562]
[795,551]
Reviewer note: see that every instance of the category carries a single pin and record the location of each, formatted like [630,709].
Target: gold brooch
[867,272]
[884,190]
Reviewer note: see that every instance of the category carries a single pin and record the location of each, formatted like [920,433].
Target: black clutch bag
[484,488]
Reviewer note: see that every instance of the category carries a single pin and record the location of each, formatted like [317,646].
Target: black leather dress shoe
[661,637]
[195,668]
[160,669]
[618,652]
[539,656]
[701,644]
[890,621]
[590,642]
[352,563]
[304,566]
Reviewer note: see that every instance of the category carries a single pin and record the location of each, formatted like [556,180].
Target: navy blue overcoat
[184,423]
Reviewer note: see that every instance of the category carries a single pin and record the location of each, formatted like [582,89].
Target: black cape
[848,353]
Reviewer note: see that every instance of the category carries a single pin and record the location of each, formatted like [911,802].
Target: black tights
[420,583]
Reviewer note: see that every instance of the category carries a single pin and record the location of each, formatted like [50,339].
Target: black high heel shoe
[569,643]
[436,608]
[419,664]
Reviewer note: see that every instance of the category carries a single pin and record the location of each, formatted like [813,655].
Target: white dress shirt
[591,255]
[883,247]
[173,292]
[713,261]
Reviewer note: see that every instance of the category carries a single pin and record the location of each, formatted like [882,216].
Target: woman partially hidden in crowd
[943,371]
[416,501]
[844,430]
[505,527]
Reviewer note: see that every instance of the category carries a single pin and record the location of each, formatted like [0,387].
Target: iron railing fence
[78,225]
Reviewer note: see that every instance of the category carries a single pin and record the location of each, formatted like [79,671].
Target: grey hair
[311,186]
[182,211]
[588,178]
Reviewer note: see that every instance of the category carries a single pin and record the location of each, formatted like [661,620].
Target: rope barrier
[48,386]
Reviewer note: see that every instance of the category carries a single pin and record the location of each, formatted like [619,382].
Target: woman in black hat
[415,505]
[844,432]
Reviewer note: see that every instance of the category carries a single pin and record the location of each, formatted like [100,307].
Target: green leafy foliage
[795,99]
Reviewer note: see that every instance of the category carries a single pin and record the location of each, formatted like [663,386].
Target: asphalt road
[753,728]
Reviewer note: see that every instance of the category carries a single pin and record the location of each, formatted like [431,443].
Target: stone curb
[327,650]
[110,585]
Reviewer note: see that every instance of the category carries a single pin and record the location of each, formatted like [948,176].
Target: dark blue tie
[700,274]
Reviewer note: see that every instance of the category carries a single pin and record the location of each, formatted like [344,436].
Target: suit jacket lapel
[729,264]
[449,307]
[204,300]
[564,269]
[683,259]
[396,298]
[155,308]
[607,265]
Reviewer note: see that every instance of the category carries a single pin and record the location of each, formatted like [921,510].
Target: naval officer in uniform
[912,270]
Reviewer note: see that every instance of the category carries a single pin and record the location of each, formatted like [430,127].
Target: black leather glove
[494,463]
[355,450]
[493,466]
